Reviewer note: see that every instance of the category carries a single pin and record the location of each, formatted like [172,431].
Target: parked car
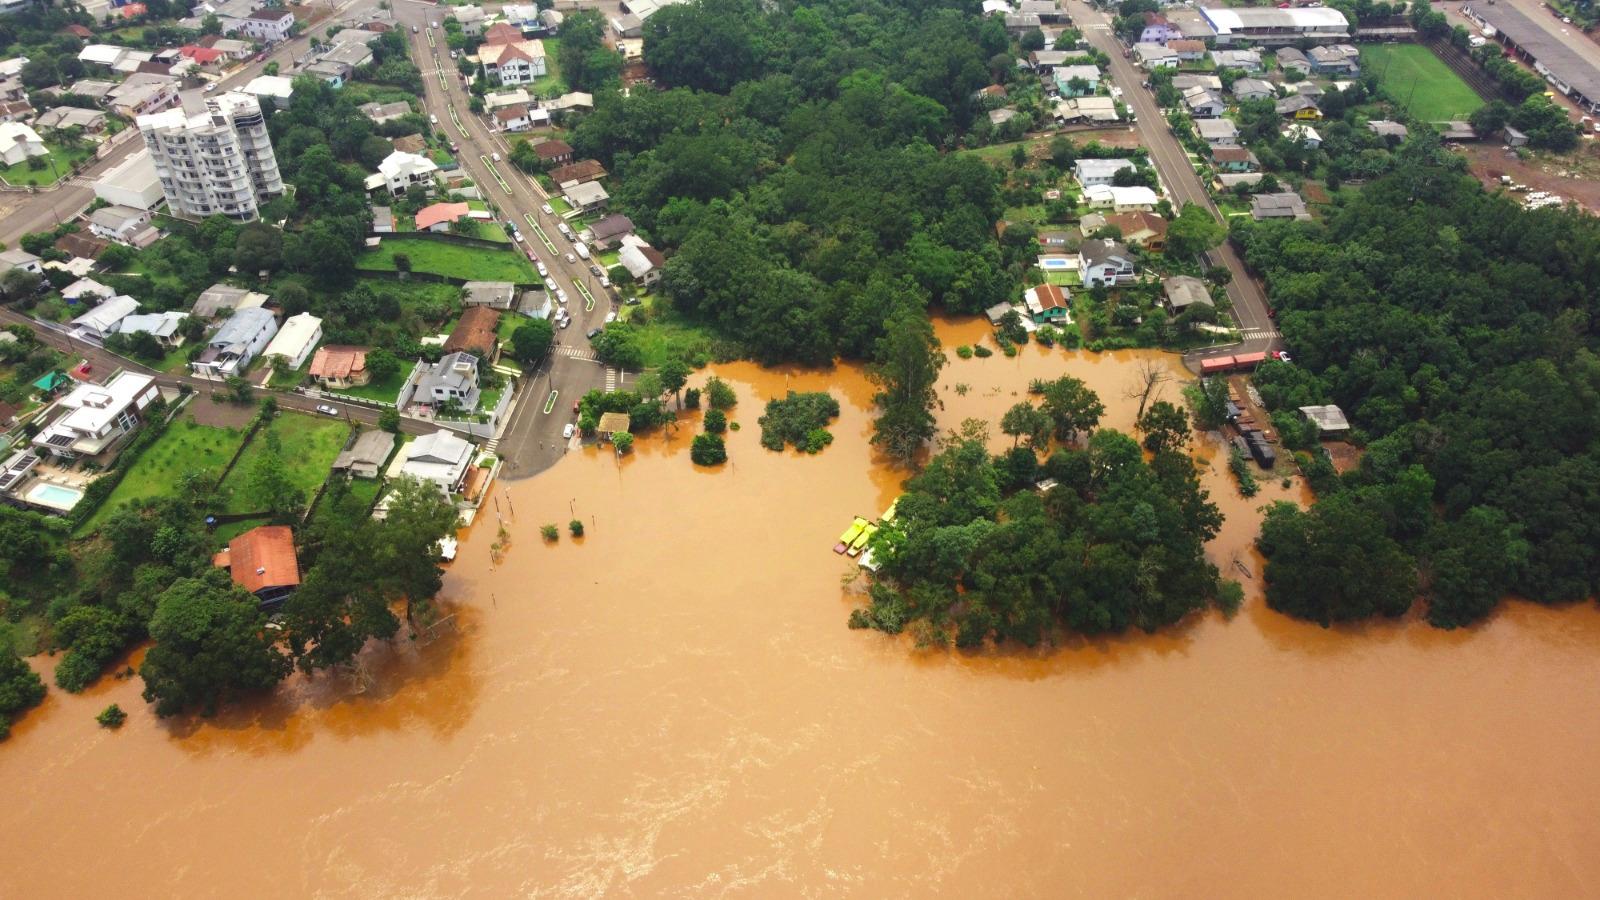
[210,86]
[516,236]
[611,317]
[566,323]
[561,296]
[571,258]
[547,210]
[595,270]
[593,333]
[433,119]
[543,271]
[605,282]
[567,431]
[327,410]
[414,30]
[1281,356]
[495,156]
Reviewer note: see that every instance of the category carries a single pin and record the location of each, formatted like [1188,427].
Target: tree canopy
[1454,329]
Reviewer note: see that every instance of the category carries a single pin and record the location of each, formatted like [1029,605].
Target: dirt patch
[1315,193]
[1575,176]
[1345,457]
[219,414]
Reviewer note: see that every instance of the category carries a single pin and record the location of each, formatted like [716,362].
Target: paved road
[531,440]
[1182,186]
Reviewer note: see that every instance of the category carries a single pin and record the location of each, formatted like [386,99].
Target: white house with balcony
[400,170]
[95,416]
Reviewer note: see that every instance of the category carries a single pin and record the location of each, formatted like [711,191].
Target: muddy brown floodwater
[673,707]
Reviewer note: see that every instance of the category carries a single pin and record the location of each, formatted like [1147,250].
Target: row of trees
[1454,329]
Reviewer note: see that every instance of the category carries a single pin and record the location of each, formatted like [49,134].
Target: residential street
[1182,185]
[104,363]
[531,441]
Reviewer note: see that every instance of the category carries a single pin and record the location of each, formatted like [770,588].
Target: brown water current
[672,706]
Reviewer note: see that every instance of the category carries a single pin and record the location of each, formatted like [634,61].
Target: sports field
[1419,81]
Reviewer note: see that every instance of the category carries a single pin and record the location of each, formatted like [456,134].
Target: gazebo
[613,423]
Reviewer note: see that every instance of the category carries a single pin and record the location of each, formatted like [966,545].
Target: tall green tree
[1073,408]
[907,373]
[211,644]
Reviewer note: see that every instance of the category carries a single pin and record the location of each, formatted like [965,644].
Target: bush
[708,450]
[111,717]
[964,351]
[1230,596]
[550,533]
[716,421]
[575,527]
[720,395]
[794,419]
[389,420]
[982,352]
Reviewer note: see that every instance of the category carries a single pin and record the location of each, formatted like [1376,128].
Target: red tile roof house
[439,216]
[263,562]
[340,366]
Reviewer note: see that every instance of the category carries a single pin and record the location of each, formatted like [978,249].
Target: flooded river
[673,706]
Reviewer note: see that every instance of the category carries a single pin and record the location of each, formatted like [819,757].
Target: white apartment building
[213,155]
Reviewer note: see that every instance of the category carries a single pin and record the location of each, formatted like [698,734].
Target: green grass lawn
[560,206]
[385,391]
[663,340]
[491,231]
[549,84]
[439,258]
[1419,81]
[309,444]
[24,174]
[185,447]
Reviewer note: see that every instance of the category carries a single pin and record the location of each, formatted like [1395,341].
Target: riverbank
[673,706]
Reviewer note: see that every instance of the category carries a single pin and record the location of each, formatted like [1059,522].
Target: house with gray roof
[442,458]
[1253,89]
[493,294]
[453,378]
[1183,291]
[163,326]
[1282,205]
[365,458]
[219,297]
[236,344]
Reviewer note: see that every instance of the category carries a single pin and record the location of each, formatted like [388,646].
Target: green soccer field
[1420,82]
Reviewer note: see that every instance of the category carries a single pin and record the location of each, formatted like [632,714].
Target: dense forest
[1096,539]
[793,167]
[1456,331]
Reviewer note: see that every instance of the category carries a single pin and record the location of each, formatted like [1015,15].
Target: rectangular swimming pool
[55,496]
[1056,263]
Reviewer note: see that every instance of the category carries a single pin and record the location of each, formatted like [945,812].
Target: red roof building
[202,55]
[263,562]
[435,217]
[501,33]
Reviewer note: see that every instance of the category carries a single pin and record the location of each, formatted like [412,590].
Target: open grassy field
[386,391]
[452,260]
[185,447]
[1419,81]
[309,444]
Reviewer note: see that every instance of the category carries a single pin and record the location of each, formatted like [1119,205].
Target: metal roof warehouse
[1565,67]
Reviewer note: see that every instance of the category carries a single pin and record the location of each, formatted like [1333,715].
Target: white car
[516,236]
[561,296]
[566,323]
[611,317]
[210,86]
[326,410]
[543,272]
[567,431]
[571,258]
[547,210]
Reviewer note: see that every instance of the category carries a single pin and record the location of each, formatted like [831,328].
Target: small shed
[612,423]
[1328,418]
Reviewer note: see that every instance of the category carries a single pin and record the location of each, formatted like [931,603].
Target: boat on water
[862,538]
[850,534]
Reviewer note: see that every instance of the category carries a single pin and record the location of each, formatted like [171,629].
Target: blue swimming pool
[54,496]
[1055,263]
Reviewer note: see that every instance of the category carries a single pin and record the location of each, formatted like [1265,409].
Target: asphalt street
[532,439]
[1182,185]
